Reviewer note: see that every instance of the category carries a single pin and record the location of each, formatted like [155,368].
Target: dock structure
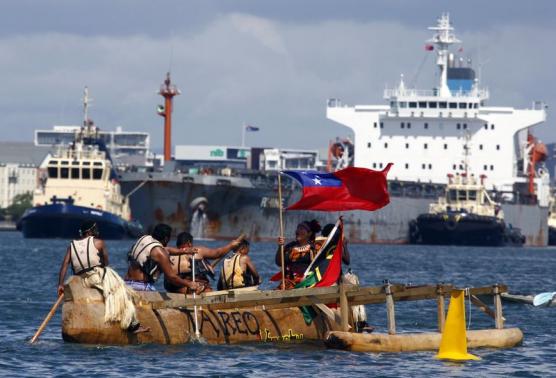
[235,316]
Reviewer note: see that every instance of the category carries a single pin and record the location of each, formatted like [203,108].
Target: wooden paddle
[47,319]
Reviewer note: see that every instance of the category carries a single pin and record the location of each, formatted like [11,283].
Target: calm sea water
[29,270]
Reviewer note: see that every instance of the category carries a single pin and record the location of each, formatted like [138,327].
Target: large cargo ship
[421,131]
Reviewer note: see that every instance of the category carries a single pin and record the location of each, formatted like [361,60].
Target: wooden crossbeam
[309,296]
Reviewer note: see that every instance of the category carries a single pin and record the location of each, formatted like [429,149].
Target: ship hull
[551,235]
[63,221]
[233,208]
[465,229]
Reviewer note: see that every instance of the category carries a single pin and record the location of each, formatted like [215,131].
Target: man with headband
[89,260]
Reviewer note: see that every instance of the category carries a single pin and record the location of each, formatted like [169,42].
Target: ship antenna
[443,38]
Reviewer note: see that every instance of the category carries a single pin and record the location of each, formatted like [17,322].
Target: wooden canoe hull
[83,322]
[415,342]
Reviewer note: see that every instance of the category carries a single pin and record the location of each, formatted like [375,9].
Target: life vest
[181,264]
[140,254]
[232,274]
[84,255]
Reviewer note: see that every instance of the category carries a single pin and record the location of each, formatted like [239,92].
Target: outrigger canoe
[170,318]
[236,316]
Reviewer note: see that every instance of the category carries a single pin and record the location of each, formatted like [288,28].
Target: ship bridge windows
[452,195]
[97,173]
[64,162]
[442,104]
[64,173]
[86,163]
[75,173]
[403,104]
[86,174]
[463,105]
[53,162]
[453,105]
[426,125]
[462,195]
[412,105]
[97,163]
[422,104]
[472,195]
[53,172]
[433,104]
[75,162]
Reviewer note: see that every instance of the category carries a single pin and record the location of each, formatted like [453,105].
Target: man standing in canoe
[148,257]
[182,264]
[89,260]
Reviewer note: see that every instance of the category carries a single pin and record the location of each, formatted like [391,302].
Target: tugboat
[552,221]
[466,215]
[79,184]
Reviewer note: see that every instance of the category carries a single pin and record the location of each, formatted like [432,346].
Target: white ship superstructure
[423,131]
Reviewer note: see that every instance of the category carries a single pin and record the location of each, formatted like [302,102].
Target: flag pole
[243,135]
[281,231]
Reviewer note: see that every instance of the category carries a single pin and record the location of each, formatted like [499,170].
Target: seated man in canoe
[182,263]
[148,257]
[89,260]
[298,254]
[238,270]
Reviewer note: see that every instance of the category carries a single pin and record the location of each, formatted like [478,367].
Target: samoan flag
[251,128]
[351,188]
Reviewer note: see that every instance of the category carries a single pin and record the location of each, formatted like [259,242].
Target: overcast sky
[271,64]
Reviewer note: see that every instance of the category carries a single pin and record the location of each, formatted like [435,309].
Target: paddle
[543,299]
[47,319]
[198,338]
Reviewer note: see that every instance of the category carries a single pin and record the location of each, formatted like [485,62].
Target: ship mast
[168,91]
[443,38]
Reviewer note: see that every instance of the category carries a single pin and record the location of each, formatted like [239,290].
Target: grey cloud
[245,68]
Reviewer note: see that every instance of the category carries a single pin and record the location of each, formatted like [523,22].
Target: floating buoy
[453,345]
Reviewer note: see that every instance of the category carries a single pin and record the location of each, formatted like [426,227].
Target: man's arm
[182,251]
[63,271]
[214,253]
[161,257]
[252,269]
[346,258]
[99,244]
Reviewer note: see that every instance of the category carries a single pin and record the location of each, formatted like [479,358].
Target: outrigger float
[236,316]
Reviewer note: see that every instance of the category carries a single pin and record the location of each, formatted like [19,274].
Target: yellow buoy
[453,345]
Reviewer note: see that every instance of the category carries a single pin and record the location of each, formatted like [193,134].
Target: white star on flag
[316,180]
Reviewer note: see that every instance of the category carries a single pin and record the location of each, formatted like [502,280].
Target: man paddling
[89,260]
[148,257]
[182,264]
[239,270]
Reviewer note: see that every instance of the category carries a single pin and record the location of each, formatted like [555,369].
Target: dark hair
[313,227]
[326,230]
[184,238]
[88,226]
[243,243]
[162,232]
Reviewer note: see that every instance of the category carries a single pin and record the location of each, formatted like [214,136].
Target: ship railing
[406,92]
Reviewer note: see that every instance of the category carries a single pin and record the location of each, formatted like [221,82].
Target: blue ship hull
[62,220]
